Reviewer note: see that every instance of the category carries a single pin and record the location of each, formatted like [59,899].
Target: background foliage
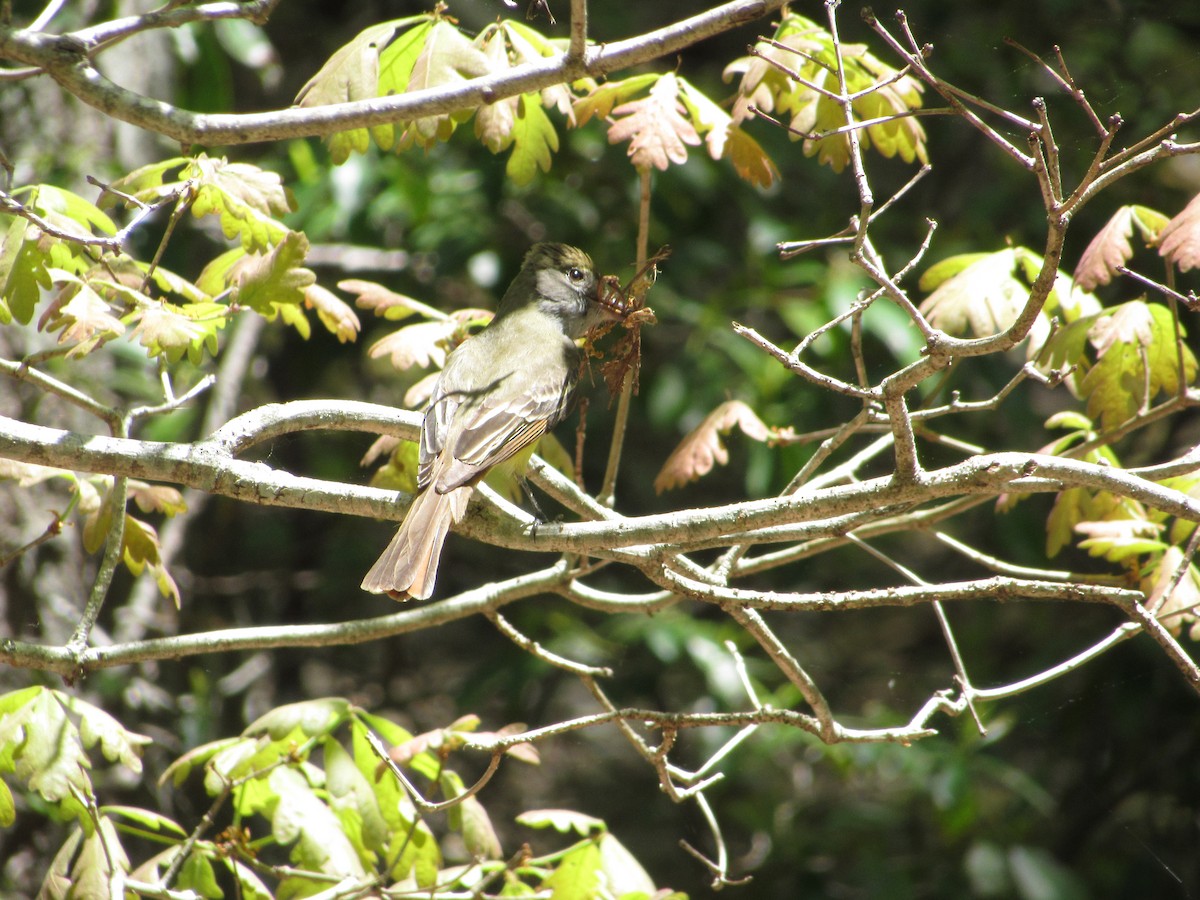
[1085,786]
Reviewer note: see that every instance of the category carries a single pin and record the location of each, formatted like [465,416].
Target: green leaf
[144,817]
[578,876]
[22,274]
[8,809]
[147,183]
[167,330]
[98,727]
[601,100]
[64,208]
[982,297]
[447,58]
[534,141]
[267,282]
[178,771]
[251,885]
[1137,360]
[395,70]
[313,718]
[561,820]
[300,819]
[52,761]
[349,790]
[623,874]
[245,198]
[197,874]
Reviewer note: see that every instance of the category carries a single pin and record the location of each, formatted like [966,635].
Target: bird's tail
[408,567]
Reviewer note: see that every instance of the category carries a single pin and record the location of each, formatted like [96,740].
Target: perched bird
[498,393]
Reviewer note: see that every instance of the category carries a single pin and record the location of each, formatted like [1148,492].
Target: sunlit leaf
[245,198]
[447,58]
[1181,604]
[313,718]
[353,73]
[1179,240]
[578,876]
[301,820]
[421,345]
[494,121]
[534,141]
[1110,248]
[266,281]
[335,314]
[21,272]
[984,297]
[385,302]
[159,498]
[84,317]
[1118,539]
[563,821]
[165,329]
[623,874]
[602,99]
[655,127]
[1137,358]
[881,94]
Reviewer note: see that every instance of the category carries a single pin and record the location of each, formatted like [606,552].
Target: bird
[498,393]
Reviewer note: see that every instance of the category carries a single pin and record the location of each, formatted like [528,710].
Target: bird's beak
[609,299]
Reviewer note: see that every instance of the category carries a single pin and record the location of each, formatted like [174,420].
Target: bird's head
[562,281]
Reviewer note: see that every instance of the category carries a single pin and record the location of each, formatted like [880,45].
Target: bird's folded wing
[498,427]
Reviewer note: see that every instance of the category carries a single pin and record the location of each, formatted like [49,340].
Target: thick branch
[65,59]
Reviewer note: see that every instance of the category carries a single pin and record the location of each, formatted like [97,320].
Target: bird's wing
[500,425]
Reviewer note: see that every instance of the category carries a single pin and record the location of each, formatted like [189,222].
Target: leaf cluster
[305,799]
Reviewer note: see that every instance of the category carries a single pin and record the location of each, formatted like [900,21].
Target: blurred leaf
[300,819]
[702,448]
[578,876]
[70,212]
[156,497]
[349,791]
[22,273]
[8,809]
[1179,240]
[197,875]
[313,718]
[387,303]
[494,121]
[84,316]
[145,818]
[98,727]
[623,874]
[561,820]
[1178,607]
[1116,540]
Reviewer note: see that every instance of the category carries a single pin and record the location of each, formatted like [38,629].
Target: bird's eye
[575,274]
